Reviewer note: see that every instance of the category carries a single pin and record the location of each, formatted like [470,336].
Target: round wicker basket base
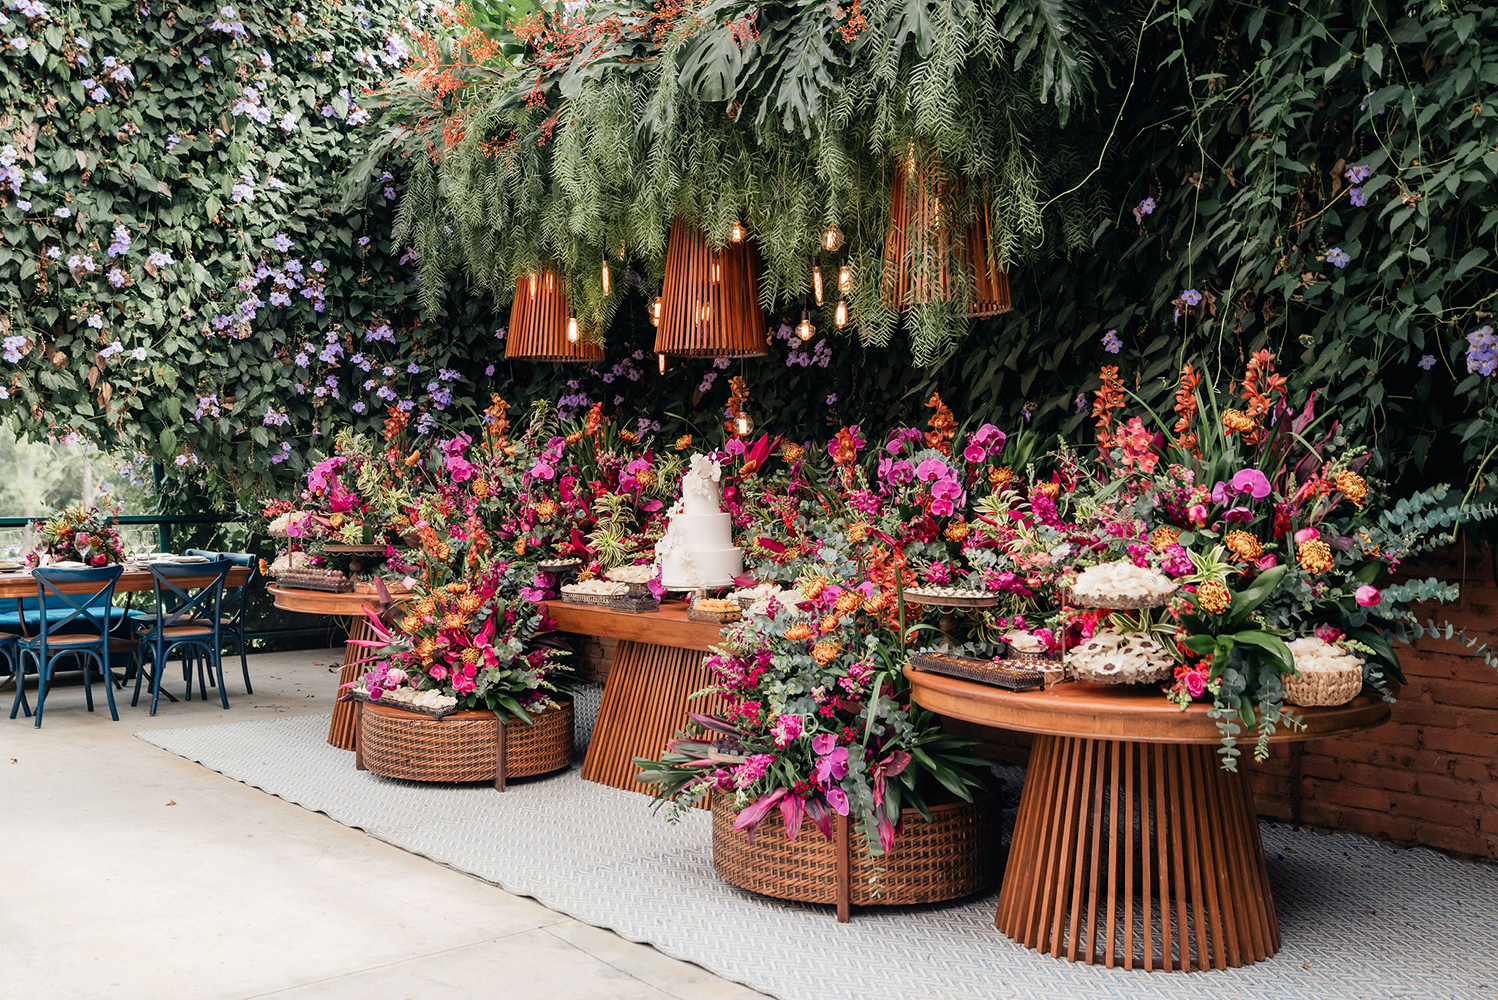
[463,747]
[1323,688]
[956,854]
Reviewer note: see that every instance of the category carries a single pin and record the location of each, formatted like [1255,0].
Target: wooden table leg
[341,729]
[645,702]
[1173,823]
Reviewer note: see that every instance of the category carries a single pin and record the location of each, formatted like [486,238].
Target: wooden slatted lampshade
[710,299]
[920,255]
[538,322]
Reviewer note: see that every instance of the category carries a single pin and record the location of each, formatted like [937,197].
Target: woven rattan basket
[1324,688]
[596,600]
[955,854]
[464,746]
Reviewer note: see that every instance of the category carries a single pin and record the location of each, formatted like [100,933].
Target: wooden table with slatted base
[656,667]
[1132,845]
[322,602]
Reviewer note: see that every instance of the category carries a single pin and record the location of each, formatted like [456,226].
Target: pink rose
[1198,513]
[1367,595]
[1306,535]
[1266,561]
[1196,684]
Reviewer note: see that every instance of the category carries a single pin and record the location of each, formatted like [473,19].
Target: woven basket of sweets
[714,610]
[596,600]
[332,581]
[636,578]
[1111,602]
[1113,657]
[1008,674]
[1121,586]
[1329,675]
[635,603]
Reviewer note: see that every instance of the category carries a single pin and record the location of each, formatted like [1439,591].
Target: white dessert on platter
[697,550]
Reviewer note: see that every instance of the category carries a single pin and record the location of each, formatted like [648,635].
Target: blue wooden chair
[10,648]
[236,603]
[187,621]
[82,632]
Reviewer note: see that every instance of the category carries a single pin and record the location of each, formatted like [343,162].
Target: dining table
[18,585]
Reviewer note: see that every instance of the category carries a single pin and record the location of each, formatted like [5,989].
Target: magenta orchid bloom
[832,767]
[931,470]
[838,800]
[974,452]
[1252,482]
[542,471]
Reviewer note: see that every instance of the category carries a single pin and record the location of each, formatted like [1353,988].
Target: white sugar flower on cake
[1121,584]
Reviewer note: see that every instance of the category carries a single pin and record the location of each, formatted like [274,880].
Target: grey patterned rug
[1359,920]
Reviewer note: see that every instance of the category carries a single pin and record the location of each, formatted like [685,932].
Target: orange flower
[829,623]
[856,533]
[825,652]
[645,477]
[1105,400]
[799,633]
[813,587]
[410,624]
[594,420]
[1315,556]
[684,442]
[519,546]
[456,588]
[998,477]
[470,655]
[875,604]
[749,468]
[1164,537]
[1243,545]
[425,648]
[546,508]
[574,437]
[847,601]
[957,532]
[1186,409]
[1213,598]
[628,435]
[455,620]
[470,603]
[481,488]
[1049,489]
[943,426]
[791,451]
[1237,420]
[1353,486]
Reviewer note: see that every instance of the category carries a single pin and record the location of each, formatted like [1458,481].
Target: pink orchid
[838,800]
[542,471]
[931,470]
[832,766]
[1251,481]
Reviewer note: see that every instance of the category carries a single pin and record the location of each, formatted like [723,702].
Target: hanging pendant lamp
[539,321]
[710,299]
[921,254]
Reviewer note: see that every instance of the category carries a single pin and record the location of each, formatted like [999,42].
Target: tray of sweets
[1009,674]
[329,580]
[635,603]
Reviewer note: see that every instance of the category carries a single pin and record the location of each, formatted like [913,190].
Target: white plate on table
[67,564]
[189,560]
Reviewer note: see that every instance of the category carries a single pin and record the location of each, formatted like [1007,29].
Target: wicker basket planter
[956,854]
[462,747]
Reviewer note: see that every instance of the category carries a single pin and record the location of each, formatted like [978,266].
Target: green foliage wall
[166,168]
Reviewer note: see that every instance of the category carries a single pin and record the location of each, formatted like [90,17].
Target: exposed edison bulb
[655,312]
[743,424]
[840,315]
[844,279]
[660,362]
[816,283]
[533,284]
[832,239]
[571,326]
[549,280]
[715,271]
[604,275]
[737,232]
[804,329]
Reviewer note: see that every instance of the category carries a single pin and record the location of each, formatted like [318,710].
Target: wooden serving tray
[1007,675]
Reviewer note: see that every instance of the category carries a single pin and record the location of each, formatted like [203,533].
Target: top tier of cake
[699,487]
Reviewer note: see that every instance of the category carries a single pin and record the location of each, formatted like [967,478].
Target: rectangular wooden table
[656,669]
[18,586]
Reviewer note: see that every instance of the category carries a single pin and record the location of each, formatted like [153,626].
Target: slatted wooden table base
[645,703]
[341,729]
[1137,854]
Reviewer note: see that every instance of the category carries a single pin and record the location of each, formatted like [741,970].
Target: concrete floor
[134,873]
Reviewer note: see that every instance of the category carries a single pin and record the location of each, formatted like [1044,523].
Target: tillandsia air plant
[477,642]
[818,723]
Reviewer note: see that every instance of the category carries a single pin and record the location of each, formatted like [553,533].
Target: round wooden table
[1132,845]
[321,602]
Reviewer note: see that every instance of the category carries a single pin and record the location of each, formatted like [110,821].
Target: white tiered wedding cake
[697,550]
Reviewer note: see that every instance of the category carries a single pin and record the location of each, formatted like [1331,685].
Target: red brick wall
[1427,775]
[594,655]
